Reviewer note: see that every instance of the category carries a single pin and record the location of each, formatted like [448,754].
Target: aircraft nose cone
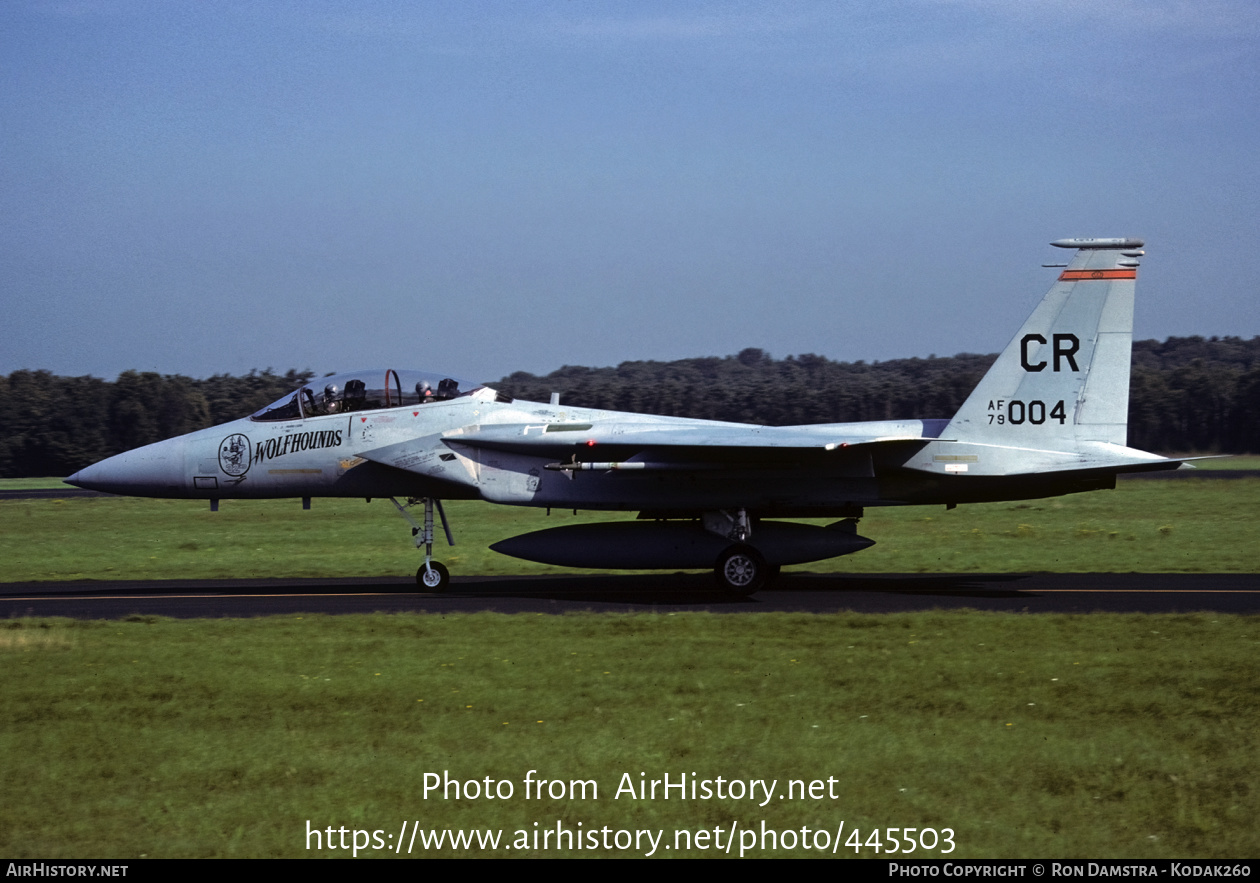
[155,470]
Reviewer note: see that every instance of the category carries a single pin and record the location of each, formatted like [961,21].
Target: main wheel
[741,570]
[433,578]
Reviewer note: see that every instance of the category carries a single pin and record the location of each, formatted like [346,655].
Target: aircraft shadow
[699,588]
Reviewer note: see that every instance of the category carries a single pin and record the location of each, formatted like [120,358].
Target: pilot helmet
[330,392]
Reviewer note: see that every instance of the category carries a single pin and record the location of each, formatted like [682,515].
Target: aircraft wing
[673,446]
[644,445]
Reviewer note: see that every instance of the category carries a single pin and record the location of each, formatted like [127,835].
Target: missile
[595,466]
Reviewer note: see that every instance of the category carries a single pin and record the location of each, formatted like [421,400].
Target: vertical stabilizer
[1064,378]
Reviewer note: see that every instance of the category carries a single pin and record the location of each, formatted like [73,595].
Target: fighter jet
[1049,418]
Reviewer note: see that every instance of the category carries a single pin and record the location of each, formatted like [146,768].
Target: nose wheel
[433,576]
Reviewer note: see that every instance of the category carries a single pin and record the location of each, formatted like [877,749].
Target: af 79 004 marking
[1017,411]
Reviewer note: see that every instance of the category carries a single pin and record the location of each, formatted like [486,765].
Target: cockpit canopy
[369,390]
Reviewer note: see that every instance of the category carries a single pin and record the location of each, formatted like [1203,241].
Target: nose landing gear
[432,575]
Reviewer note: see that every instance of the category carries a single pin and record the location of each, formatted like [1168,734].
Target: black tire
[434,579]
[741,570]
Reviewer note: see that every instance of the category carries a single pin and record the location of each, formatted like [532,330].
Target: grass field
[1035,736]
[1193,525]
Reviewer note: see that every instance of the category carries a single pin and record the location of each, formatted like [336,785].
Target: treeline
[1188,394]
[52,425]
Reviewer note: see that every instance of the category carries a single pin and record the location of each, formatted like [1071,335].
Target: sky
[480,188]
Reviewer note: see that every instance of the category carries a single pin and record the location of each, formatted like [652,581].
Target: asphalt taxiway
[794,592]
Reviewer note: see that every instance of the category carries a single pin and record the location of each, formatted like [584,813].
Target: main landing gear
[740,570]
[432,575]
